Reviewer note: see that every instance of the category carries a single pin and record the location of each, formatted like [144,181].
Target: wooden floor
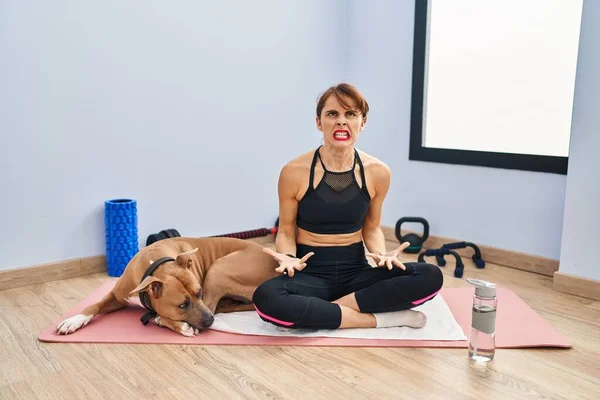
[34,370]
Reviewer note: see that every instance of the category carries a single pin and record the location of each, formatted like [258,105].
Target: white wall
[192,108]
[581,227]
[510,209]
[189,107]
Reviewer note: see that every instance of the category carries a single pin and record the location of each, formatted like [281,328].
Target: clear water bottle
[482,341]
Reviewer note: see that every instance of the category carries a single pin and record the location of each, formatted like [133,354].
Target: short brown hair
[343,92]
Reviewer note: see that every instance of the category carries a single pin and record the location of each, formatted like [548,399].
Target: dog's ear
[185,259]
[152,285]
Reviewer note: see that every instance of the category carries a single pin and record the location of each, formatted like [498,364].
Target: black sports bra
[338,204]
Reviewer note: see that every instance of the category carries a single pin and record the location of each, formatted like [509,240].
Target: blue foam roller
[121,233]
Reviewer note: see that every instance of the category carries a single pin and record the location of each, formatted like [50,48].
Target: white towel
[441,325]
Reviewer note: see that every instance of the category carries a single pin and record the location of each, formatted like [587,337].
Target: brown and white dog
[206,276]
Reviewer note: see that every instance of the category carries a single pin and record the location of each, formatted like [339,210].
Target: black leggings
[303,301]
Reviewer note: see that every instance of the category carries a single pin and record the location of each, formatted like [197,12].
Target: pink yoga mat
[517,326]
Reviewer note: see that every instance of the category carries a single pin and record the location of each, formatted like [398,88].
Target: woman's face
[340,126]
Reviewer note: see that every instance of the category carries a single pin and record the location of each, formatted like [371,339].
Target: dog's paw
[188,330]
[70,325]
[157,321]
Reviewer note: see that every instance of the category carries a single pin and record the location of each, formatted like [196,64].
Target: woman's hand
[288,264]
[389,259]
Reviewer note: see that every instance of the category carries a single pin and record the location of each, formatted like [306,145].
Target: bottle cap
[483,288]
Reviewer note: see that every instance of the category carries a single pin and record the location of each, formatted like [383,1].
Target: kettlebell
[416,241]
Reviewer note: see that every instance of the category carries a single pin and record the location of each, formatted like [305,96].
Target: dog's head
[176,294]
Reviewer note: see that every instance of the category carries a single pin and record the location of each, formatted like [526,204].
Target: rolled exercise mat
[121,228]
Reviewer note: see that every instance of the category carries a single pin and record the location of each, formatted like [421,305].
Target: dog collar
[144,299]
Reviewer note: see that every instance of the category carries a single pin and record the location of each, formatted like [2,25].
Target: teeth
[340,134]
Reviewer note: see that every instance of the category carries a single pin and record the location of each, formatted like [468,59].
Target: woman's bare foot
[411,318]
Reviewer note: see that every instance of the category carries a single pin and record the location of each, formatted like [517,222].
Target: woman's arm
[285,242]
[372,233]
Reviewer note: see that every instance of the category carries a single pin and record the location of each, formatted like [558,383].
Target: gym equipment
[479,263]
[249,234]
[170,233]
[253,233]
[416,241]
[164,234]
[521,327]
[121,234]
[439,254]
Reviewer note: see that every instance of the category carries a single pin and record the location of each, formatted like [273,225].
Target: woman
[330,203]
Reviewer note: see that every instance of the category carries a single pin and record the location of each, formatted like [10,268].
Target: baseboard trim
[19,277]
[55,271]
[571,284]
[14,278]
[507,258]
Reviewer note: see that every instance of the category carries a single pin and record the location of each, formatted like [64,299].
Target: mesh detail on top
[339,182]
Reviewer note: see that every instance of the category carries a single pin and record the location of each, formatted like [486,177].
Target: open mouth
[341,135]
